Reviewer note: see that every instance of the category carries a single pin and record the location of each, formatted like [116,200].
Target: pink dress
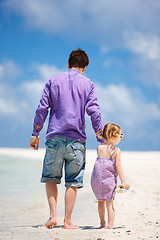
[104,178]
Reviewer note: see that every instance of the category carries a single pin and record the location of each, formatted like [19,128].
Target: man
[67,95]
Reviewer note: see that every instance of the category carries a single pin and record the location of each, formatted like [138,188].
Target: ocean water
[20,191]
[18,177]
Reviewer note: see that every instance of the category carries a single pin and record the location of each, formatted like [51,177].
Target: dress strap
[114,152]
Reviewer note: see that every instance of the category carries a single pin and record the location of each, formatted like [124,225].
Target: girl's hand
[124,185]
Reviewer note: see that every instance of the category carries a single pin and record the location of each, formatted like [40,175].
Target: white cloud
[30,87]
[104,49]
[112,62]
[146,49]
[45,71]
[126,106]
[112,24]
[137,117]
[148,46]
[8,107]
[104,20]
[149,72]
[21,100]
[9,70]
[32,90]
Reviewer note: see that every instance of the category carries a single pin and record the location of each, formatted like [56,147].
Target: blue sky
[122,39]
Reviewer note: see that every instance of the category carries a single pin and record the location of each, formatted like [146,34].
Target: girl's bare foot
[108,227]
[70,226]
[51,222]
[103,225]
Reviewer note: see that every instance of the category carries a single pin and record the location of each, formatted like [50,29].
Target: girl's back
[106,151]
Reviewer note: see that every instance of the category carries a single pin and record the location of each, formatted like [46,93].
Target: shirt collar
[73,70]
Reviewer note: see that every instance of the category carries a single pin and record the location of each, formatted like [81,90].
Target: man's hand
[34,143]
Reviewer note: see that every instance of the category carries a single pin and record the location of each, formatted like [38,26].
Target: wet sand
[23,204]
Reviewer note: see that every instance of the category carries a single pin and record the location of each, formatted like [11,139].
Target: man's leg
[70,197]
[51,191]
[74,170]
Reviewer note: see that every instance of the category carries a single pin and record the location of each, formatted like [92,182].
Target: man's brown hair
[78,58]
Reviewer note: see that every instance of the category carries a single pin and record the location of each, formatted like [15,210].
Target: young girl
[106,168]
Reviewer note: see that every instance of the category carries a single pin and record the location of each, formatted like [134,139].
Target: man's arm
[93,110]
[40,117]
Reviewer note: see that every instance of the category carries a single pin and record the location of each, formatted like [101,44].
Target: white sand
[23,204]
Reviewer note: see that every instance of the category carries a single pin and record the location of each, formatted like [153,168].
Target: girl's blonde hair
[110,130]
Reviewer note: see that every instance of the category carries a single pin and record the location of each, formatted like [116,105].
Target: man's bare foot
[70,226]
[50,223]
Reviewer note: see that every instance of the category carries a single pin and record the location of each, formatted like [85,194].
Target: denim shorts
[70,153]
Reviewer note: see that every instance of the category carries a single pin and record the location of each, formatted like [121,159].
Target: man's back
[69,94]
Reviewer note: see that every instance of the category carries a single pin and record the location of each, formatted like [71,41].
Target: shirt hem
[50,136]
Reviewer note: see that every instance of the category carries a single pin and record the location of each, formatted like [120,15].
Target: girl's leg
[111,214]
[101,211]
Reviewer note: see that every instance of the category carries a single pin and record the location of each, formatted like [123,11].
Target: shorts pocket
[79,152]
[51,151]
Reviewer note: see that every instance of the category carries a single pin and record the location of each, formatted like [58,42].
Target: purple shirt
[68,95]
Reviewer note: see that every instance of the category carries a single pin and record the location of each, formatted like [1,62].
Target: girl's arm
[119,168]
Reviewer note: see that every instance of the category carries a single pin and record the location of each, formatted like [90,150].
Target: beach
[23,203]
